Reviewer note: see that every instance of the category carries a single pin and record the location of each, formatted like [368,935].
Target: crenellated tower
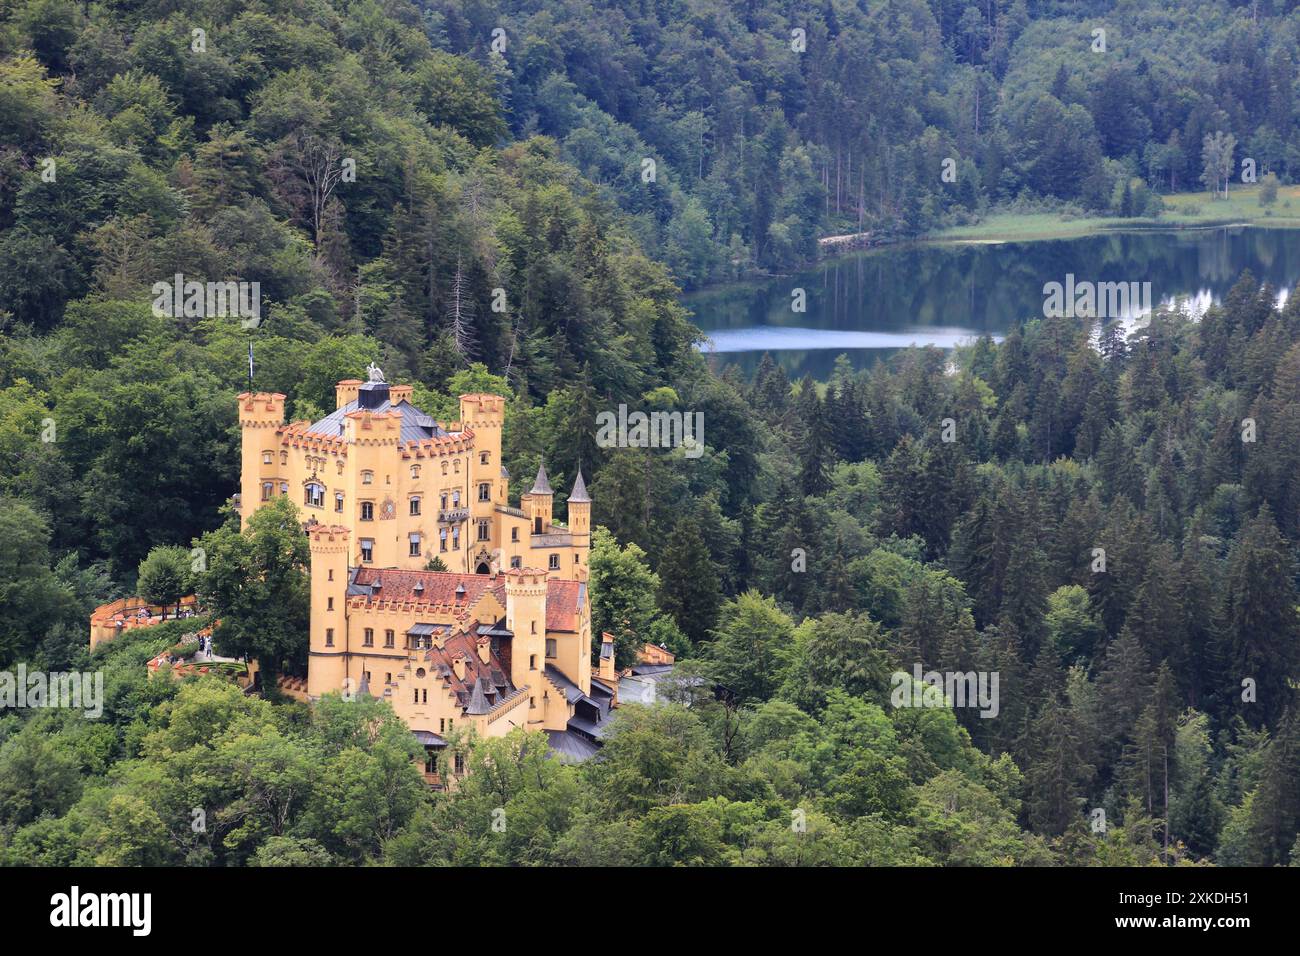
[261,474]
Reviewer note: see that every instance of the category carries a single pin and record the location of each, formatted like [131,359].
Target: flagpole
[250,363]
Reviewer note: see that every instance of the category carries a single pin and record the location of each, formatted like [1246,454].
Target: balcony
[452,515]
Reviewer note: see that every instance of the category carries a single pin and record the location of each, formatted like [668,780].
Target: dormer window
[419,588]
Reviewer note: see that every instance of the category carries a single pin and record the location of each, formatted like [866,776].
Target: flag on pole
[250,363]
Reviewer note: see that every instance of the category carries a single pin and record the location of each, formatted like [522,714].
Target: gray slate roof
[571,747]
[416,425]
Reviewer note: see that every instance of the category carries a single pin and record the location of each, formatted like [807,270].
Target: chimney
[399,393]
[606,672]
[346,391]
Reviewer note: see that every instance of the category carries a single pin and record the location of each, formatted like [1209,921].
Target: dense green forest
[765,139]
[829,535]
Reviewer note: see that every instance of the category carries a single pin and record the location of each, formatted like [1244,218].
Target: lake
[870,304]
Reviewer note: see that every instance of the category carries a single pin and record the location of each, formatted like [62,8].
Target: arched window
[284,458]
[314,494]
[266,458]
[415,471]
[367,477]
[268,489]
[338,501]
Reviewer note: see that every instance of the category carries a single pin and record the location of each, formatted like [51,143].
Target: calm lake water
[870,304]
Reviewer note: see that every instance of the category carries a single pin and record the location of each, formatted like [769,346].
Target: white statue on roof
[375,373]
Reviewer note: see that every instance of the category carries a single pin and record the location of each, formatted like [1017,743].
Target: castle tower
[537,503]
[485,416]
[526,620]
[260,414]
[328,646]
[580,525]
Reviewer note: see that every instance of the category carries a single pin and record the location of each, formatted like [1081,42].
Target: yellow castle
[500,640]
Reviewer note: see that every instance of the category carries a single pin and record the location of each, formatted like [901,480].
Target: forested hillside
[765,138]
[946,510]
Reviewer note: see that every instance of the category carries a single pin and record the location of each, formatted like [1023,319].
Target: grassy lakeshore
[1182,210]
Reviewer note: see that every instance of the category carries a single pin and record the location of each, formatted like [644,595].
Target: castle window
[484,531]
[314,495]
[555,562]
[484,491]
[455,498]
[284,487]
[444,467]
[284,458]
[482,458]
[532,662]
[338,501]
[420,672]
[550,647]
[443,500]
[329,604]
[390,639]
[329,637]
[415,471]
[367,550]
[367,477]
[340,465]
[455,466]
[537,525]
[415,545]
[370,637]
[266,458]
[460,762]
[514,534]
[532,703]
[268,488]
[331,574]
[455,538]
[367,511]
[442,539]
[514,562]
[415,505]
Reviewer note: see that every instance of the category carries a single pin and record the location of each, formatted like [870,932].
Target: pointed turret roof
[478,702]
[579,494]
[541,486]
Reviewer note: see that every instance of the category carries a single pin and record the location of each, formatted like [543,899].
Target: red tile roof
[439,586]
[563,598]
[563,605]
